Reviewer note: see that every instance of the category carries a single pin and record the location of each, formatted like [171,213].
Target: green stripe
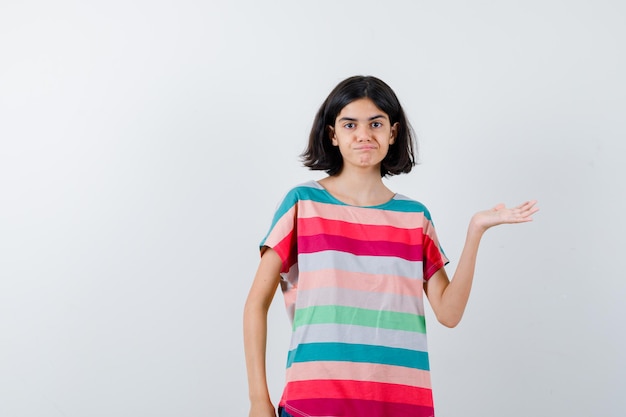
[343,352]
[359,317]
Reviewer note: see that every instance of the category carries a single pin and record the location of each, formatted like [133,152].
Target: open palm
[500,214]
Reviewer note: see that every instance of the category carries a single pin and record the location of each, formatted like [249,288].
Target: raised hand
[500,214]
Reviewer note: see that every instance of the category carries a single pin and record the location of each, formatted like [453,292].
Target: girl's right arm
[259,299]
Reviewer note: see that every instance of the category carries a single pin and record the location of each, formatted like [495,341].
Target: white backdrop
[145,144]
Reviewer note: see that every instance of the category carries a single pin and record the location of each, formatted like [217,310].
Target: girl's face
[363,133]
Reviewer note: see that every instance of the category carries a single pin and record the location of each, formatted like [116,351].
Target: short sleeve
[281,236]
[434,257]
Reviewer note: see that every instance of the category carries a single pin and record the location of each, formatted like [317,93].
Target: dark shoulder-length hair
[320,154]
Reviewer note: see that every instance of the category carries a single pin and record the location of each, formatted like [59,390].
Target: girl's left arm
[448,299]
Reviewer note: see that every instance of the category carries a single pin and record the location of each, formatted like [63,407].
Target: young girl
[352,258]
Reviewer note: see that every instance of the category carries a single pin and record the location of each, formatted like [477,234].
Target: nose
[363,134]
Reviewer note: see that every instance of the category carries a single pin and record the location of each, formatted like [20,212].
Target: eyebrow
[351,119]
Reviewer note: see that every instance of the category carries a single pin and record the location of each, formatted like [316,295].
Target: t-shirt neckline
[343,203]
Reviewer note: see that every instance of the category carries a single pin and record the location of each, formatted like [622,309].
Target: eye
[349,125]
[377,124]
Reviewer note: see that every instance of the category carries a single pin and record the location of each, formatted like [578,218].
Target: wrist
[260,398]
[475,228]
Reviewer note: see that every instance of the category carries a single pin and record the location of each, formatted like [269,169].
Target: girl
[353,260]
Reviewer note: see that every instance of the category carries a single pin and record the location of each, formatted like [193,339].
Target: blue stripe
[343,352]
[312,191]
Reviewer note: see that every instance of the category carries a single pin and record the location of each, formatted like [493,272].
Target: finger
[528,208]
[528,215]
[531,209]
[527,204]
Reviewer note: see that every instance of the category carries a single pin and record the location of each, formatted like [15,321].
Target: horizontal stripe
[342,352]
[359,317]
[401,212]
[285,253]
[355,275]
[360,281]
[370,232]
[368,264]
[291,198]
[282,224]
[351,408]
[314,191]
[282,239]
[359,335]
[359,390]
[431,239]
[324,242]
[360,299]
[435,258]
[302,371]
[405,219]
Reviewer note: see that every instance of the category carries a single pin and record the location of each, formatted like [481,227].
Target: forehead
[363,108]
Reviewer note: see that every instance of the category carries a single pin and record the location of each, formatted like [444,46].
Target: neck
[360,189]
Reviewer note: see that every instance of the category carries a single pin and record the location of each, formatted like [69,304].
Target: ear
[331,135]
[394,133]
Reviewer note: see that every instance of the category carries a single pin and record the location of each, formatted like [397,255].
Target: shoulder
[311,191]
[409,205]
[305,188]
[303,191]
[306,191]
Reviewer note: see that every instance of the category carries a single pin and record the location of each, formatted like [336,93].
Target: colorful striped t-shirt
[352,279]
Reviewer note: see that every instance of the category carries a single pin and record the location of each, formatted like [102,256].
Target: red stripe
[317,225]
[285,252]
[336,407]
[358,390]
[433,261]
[322,242]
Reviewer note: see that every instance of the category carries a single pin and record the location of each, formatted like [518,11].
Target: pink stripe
[308,208]
[359,390]
[317,225]
[429,230]
[360,282]
[343,407]
[319,243]
[282,228]
[300,371]
[282,238]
